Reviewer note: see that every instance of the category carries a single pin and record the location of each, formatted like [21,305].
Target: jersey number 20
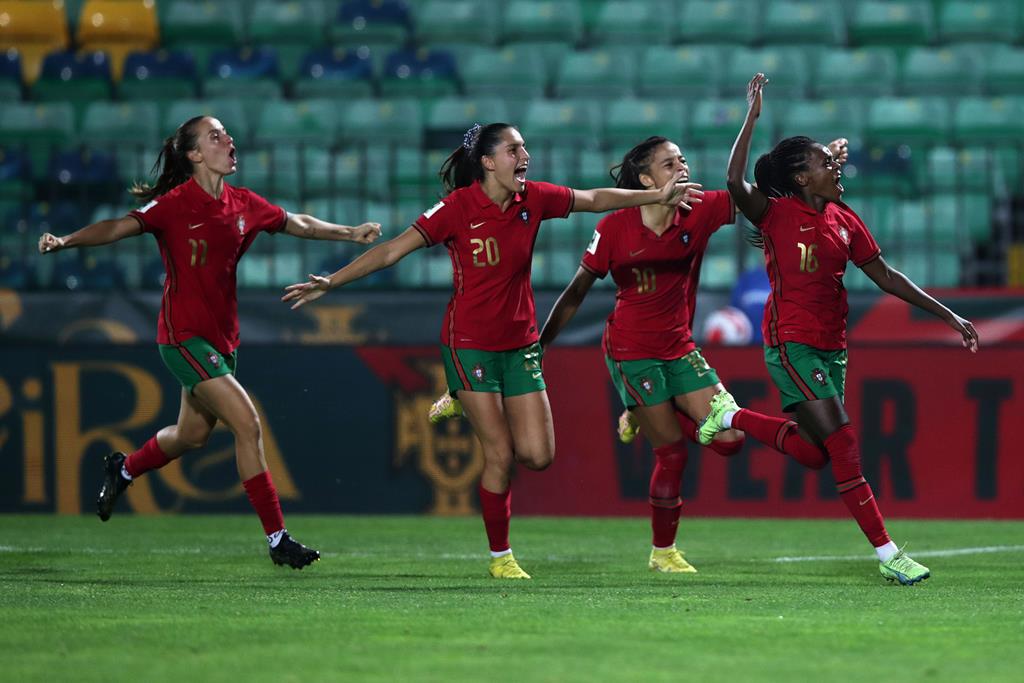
[485,252]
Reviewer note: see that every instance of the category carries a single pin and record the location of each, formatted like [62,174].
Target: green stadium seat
[558,165]
[543,21]
[633,22]
[939,71]
[926,268]
[511,72]
[690,71]
[947,168]
[450,117]
[856,281]
[271,170]
[447,22]
[312,122]
[785,67]
[554,268]
[1003,72]
[718,122]
[287,22]
[865,72]
[824,120]
[891,22]
[980,120]
[718,271]
[76,79]
[561,123]
[628,122]
[970,212]
[216,24]
[425,268]
[593,167]
[605,73]
[254,91]
[907,120]
[803,21]
[380,123]
[414,175]
[568,233]
[40,129]
[378,24]
[983,20]
[131,131]
[718,21]
[709,164]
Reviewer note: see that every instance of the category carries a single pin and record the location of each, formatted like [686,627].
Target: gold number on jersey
[199,248]
[489,249]
[808,261]
[646,281]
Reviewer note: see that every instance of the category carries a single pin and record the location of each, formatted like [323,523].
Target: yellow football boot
[670,561]
[506,567]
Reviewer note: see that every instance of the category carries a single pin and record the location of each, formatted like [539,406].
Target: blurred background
[345,109]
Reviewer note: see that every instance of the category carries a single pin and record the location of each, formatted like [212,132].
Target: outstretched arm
[750,200]
[610,198]
[565,308]
[93,235]
[381,256]
[896,283]
[312,228]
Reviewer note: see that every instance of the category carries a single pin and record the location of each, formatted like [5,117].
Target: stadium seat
[925,267]
[892,22]
[633,22]
[998,120]
[629,121]
[985,169]
[907,120]
[795,22]
[515,73]
[543,21]
[824,120]
[970,213]
[1003,72]
[37,129]
[414,176]
[83,172]
[162,76]
[450,117]
[117,27]
[230,112]
[786,68]
[287,22]
[15,174]
[246,74]
[717,122]
[75,78]
[130,131]
[690,71]
[34,29]
[550,124]
[422,73]
[378,124]
[719,21]
[335,73]
[10,76]
[379,23]
[605,73]
[305,122]
[202,21]
[939,71]
[448,22]
[865,72]
[983,20]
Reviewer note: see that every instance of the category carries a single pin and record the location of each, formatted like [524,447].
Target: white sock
[668,547]
[124,473]
[501,553]
[885,552]
[275,538]
[727,419]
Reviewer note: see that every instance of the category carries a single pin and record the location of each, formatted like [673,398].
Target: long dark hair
[774,171]
[636,162]
[177,168]
[463,167]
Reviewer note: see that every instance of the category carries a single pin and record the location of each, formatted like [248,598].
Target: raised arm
[610,198]
[370,261]
[896,283]
[565,308]
[750,200]
[93,235]
[312,228]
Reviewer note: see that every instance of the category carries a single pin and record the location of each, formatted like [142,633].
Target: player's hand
[840,148]
[366,233]
[49,242]
[679,193]
[754,89]
[305,292]
[966,330]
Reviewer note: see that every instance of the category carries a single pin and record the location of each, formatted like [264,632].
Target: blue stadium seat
[335,73]
[75,78]
[160,76]
[246,74]
[423,73]
[84,172]
[10,76]
[15,174]
[371,22]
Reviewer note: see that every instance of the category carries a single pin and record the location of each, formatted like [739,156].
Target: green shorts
[650,382]
[509,373]
[804,373]
[195,359]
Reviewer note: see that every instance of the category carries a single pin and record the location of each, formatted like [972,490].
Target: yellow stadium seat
[118,27]
[34,29]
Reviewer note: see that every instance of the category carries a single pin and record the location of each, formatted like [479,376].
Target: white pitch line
[917,553]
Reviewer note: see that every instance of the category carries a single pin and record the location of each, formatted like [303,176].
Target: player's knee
[536,461]
[193,440]
[728,448]
[248,428]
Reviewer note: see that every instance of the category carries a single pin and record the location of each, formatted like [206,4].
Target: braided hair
[636,163]
[177,167]
[774,171]
[463,167]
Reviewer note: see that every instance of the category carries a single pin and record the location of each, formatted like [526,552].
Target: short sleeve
[597,257]
[437,223]
[155,216]
[863,247]
[264,216]
[721,210]
[556,201]
[770,215]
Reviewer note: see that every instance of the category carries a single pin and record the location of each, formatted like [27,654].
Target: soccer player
[808,235]
[654,255]
[203,226]
[488,221]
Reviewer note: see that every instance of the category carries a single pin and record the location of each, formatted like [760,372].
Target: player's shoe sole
[113,485]
[292,553]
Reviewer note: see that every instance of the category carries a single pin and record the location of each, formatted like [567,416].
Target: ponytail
[177,168]
[463,166]
[774,171]
[636,162]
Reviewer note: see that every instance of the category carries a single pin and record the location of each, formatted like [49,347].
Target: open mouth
[520,173]
[233,155]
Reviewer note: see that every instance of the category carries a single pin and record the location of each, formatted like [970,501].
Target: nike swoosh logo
[867,500]
[474,226]
[701,374]
[805,228]
[193,227]
[638,251]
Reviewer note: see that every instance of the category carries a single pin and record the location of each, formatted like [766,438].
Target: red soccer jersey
[491,308]
[201,239]
[656,277]
[806,254]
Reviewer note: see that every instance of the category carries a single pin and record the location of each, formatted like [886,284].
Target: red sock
[780,434]
[853,488]
[147,458]
[263,497]
[728,448]
[688,426]
[496,509]
[669,463]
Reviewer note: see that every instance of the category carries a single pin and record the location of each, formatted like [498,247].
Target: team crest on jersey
[478,372]
[525,215]
[214,359]
[647,385]
[844,235]
[685,238]
[241,225]
[819,376]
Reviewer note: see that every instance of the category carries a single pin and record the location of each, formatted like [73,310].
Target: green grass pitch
[195,598]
